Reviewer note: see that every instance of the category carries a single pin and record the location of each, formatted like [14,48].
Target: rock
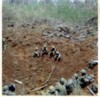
[46,33]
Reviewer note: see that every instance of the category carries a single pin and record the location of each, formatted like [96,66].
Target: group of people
[65,87]
[53,53]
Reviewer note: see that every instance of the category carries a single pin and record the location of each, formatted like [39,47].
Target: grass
[26,13]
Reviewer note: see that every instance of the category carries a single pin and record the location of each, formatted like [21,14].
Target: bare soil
[19,64]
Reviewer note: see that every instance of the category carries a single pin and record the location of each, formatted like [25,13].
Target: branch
[91,91]
[49,75]
[41,87]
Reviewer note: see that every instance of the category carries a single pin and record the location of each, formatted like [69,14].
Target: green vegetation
[21,13]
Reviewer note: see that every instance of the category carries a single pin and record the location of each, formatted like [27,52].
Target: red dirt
[19,64]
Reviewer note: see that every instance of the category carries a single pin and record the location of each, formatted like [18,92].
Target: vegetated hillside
[77,49]
[76,12]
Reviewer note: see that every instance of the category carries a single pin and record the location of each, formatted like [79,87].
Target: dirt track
[19,64]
